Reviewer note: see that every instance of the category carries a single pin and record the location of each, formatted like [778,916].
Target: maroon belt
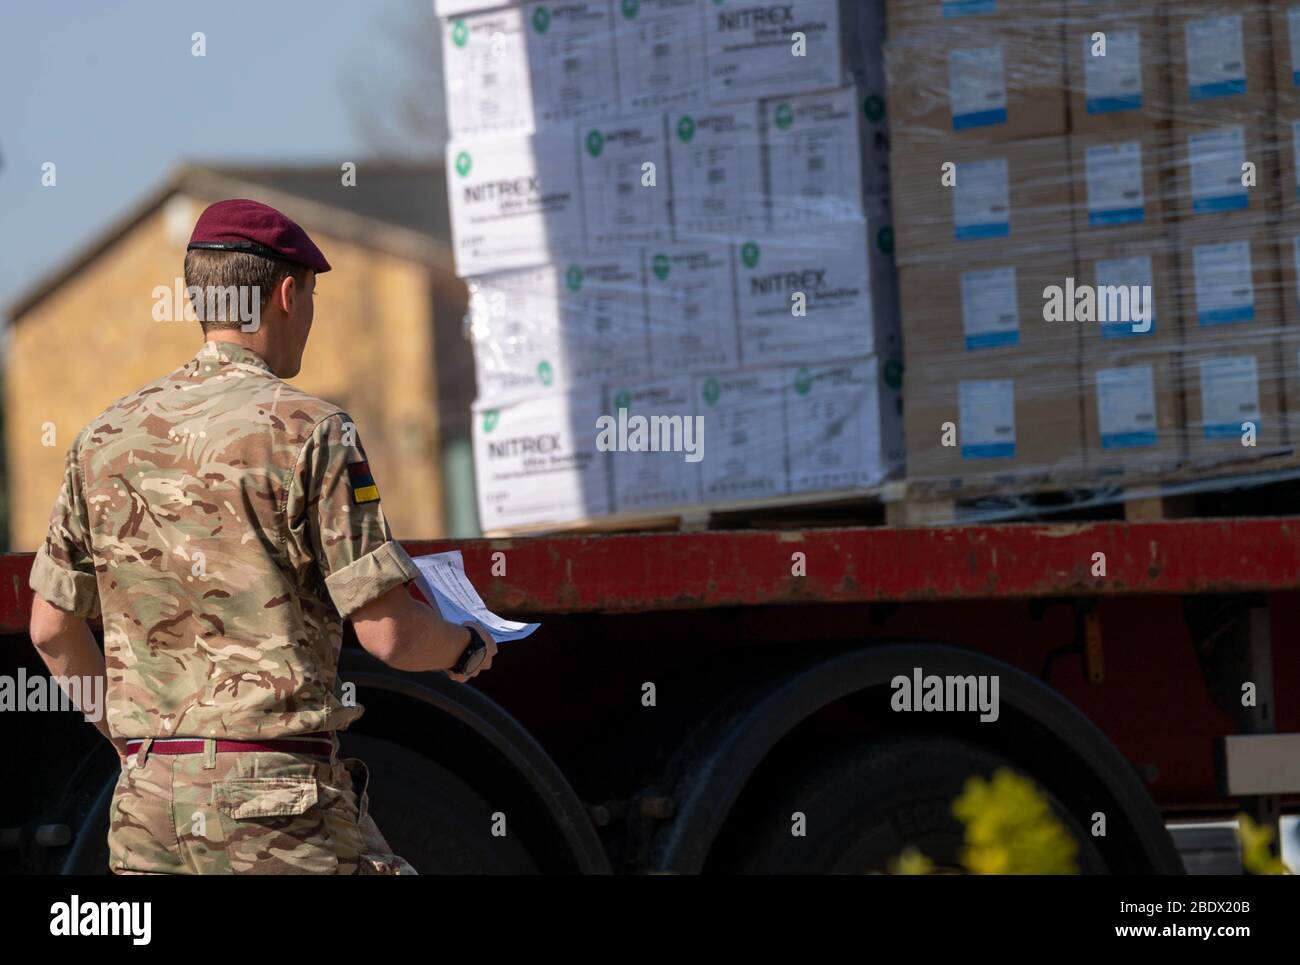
[319,744]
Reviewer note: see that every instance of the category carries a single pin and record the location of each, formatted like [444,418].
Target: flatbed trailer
[688,693]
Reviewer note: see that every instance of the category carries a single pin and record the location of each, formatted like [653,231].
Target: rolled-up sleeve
[63,573]
[336,519]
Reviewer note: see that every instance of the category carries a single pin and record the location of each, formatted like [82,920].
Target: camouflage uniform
[224,523]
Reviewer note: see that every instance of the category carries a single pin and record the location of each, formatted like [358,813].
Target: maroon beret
[243,225]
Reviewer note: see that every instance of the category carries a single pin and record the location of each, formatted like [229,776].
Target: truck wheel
[430,816]
[866,804]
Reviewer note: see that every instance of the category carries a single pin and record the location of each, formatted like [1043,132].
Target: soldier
[225,524]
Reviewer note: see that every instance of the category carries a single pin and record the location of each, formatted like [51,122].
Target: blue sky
[109,91]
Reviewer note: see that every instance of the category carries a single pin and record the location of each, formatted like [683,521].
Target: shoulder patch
[362,482]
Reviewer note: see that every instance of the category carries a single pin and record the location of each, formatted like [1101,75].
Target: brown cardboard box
[1127,88]
[1288,257]
[1014,194]
[1148,262]
[1228,286]
[1227,72]
[984,309]
[910,15]
[1132,410]
[1205,173]
[1014,423]
[1285,22]
[989,82]
[1286,131]
[1230,382]
[1118,185]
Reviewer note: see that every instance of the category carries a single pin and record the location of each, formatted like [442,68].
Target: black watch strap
[476,644]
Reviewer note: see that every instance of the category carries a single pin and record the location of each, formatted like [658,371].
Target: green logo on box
[623,400]
[463,163]
[595,143]
[631,8]
[459,33]
[686,128]
[803,381]
[885,239]
[784,117]
[894,373]
[573,278]
[490,419]
[660,266]
[749,254]
[874,107]
[544,372]
[541,19]
[711,391]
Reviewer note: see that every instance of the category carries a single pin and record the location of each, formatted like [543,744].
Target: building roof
[397,207]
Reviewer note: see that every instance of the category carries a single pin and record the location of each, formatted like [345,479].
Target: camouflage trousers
[245,813]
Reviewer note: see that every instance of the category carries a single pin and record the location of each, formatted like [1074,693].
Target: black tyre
[866,804]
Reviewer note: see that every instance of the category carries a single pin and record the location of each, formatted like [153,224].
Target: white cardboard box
[661,54]
[536,461]
[516,337]
[825,277]
[751,53]
[843,424]
[515,201]
[718,192]
[666,477]
[571,61]
[451,8]
[626,203]
[486,74]
[744,433]
[690,308]
[816,158]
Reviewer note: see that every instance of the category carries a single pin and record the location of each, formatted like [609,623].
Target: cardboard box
[1287,140]
[1220,55]
[744,423]
[990,308]
[571,60]
[486,74]
[559,327]
[659,469]
[1013,194]
[997,82]
[718,192]
[1230,286]
[536,461]
[750,49]
[1125,88]
[912,15]
[1137,293]
[624,204]
[1013,422]
[1231,384]
[515,201]
[1288,251]
[1117,185]
[1133,418]
[451,8]
[1206,188]
[661,54]
[803,299]
[818,165]
[843,424]
[1286,55]
[690,308]
[867,62]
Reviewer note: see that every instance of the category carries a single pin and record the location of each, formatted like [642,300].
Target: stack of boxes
[1285,23]
[672,208]
[1132,200]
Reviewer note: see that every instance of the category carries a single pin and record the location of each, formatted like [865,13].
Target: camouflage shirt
[223,523]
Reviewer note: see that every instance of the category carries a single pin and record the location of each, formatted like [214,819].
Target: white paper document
[445,585]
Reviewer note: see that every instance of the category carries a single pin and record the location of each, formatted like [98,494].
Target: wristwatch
[473,656]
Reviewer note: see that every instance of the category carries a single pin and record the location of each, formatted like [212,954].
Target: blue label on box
[965,8]
[1113,105]
[989,450]
[1227,316]
[991,340]
[1230,202]
[964,122]
[994,229]
[1117,216]
[1223,88]
[1227,430]
[1295,78]
[1128,440]
[1125,329]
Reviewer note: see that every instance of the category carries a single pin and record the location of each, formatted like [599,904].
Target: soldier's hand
[461,678]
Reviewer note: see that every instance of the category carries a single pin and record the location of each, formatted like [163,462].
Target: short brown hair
[207,270]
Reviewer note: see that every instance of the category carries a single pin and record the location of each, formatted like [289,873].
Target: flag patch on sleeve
[362,482]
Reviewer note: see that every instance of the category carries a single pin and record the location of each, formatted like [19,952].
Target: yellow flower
[1256,857]
[911,862]
[1011,830]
